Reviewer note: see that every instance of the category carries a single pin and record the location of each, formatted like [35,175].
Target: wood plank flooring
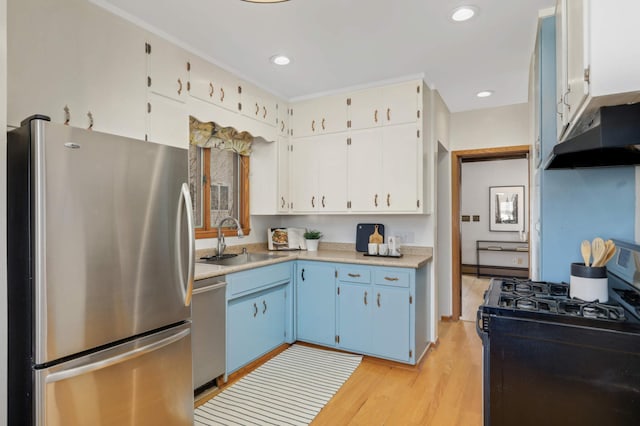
[444,389]
[472,291]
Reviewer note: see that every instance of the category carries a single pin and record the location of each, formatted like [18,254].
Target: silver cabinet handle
[354,275]
[185,207]
[388,200]
[282,206]
[323,124]
[265,307]
[313,201]
[365,298]
[375,200]
[179,86]
[323,206]
[378,300]
[255,310]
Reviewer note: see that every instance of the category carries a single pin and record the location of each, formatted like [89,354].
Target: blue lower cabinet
[260,319]
[315,303]
[376,318]
[354,317]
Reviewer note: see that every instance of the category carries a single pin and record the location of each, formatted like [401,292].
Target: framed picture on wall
[506,208]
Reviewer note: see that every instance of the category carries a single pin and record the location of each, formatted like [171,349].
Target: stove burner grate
[579,308]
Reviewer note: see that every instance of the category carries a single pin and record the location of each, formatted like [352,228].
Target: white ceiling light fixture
[484,93]
[280,60]
[265,1]
[463,13]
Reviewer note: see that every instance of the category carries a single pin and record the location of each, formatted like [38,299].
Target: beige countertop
[413,257]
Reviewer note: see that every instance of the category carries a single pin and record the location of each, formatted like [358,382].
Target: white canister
[589,283]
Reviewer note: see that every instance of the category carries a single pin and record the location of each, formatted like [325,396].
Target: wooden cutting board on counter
[364,231]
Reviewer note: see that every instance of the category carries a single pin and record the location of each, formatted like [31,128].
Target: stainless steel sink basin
[240,259]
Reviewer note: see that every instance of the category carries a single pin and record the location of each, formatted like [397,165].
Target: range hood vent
[611,137]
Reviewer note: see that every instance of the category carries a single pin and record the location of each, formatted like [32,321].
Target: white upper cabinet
[284,201]
[598,54]
[365,170]
[387,105]
[319,174]
[401,159]
[258,104]
[212,84]
[318,116]
[167,73]
[282,120]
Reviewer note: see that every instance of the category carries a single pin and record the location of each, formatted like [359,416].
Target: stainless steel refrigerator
[100,275]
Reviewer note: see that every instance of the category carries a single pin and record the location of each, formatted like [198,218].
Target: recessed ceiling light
[463,13]
[484,93]
[280,60]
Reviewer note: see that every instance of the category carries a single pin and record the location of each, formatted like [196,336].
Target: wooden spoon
[585,249]
[611,250]
[599,250]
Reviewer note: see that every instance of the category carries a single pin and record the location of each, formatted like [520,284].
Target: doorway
[457,158]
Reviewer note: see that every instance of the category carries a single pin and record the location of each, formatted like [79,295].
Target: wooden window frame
[209,230]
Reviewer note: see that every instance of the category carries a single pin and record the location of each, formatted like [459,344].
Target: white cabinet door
[365,109]
[282,119]
[400,167]
[166,69]
[401,103]
[331,156]
[365,170]
[167,121]
[304,175]
[577,61]
[213,85]
[258,104]
[317,116]
[283,175]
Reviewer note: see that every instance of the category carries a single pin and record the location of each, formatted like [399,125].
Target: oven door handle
[484,335]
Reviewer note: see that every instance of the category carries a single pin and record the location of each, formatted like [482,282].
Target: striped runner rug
[289,389]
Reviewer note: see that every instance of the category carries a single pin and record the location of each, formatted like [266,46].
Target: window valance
[212,135]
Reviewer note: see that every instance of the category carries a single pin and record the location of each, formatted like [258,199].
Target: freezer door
[144,382]
[113,242]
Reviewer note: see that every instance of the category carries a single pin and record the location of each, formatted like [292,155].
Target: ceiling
[338,44]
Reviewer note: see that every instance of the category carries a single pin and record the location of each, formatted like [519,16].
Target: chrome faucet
[221,243]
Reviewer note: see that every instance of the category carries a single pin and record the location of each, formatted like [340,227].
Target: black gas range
[550,359]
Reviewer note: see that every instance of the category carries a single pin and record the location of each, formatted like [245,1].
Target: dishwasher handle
[211,287]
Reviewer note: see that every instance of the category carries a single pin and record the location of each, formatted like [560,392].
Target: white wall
[477,177]
[443,237]
[490,128]
[3,208]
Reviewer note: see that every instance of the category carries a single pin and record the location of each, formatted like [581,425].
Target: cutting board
[363,231]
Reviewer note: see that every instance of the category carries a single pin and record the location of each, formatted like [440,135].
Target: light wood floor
[444,389]
[472,291]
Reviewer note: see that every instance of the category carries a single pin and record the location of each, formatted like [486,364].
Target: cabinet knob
[179,87]
[255,310]
[221,94]
[210,90]
[365,298]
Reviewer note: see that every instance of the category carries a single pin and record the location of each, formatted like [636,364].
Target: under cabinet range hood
[611,137]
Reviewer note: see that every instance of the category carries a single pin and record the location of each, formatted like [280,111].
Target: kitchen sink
[240,259]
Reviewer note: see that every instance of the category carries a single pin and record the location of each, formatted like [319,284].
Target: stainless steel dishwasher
[208,313]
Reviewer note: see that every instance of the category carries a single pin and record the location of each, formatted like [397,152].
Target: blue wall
[580,204]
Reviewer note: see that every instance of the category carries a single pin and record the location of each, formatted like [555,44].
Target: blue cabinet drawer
[255,279]
[354,274]
[392,277]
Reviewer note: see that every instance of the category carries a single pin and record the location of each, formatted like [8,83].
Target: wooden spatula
[599,250]
[610,251]
[585,250]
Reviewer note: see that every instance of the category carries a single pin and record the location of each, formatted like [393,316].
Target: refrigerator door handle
[184,206]
[118,359]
